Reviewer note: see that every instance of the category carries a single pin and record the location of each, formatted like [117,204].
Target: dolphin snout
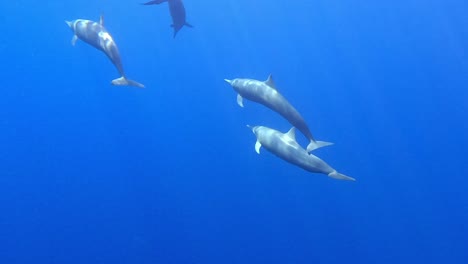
[69,23]
[253,128]
[228,81]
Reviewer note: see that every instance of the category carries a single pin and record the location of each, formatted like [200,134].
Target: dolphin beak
[228,81]
[251,128]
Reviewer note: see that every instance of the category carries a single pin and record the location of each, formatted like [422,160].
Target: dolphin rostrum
[266,94]
[286,147]
[97,36]
[177,10]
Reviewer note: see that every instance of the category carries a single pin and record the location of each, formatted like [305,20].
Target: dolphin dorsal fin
[292,133]
[101,20]
[270,82]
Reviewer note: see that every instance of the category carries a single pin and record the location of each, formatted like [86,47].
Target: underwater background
[93,173]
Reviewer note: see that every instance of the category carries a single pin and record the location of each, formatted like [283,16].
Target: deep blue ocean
[95,173]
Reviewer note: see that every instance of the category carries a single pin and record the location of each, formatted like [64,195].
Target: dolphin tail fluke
[122,81]
[155,2]
[313,145]
[339,176]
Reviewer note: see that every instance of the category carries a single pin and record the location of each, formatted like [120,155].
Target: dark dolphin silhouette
[177,10]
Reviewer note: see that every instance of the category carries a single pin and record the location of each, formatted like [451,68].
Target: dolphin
[97,36]
[266,94]
[177,10]
[286,147]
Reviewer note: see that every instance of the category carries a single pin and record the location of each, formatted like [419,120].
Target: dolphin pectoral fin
[155,2]
[240,100]
[74,39]
[188,25]
[339,176]
[257,147]
[313,145]
[270,82]
[122,81]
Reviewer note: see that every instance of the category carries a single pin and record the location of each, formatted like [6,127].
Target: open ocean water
[94,173]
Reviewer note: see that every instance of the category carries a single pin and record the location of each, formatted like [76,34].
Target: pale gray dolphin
[286,147]
[266,94]
[97,36]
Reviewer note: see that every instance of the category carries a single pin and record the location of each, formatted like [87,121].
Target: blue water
[93,173]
